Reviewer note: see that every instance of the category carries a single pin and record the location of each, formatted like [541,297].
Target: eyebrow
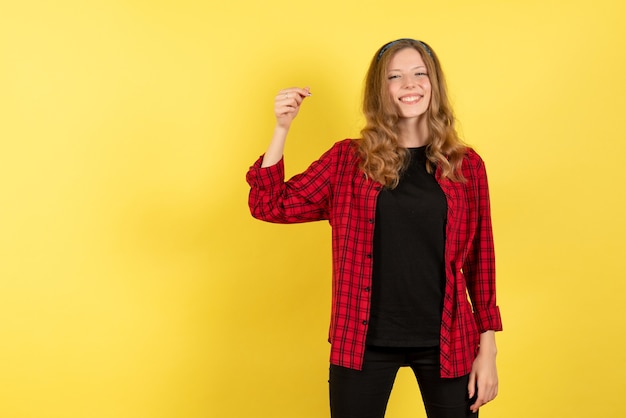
[411,69]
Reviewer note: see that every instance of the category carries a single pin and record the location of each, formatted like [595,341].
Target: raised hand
[287,104]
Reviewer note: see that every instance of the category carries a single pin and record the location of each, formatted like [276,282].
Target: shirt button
[367,289]
[377,188]
[364,322]
[369,256]
[371,221]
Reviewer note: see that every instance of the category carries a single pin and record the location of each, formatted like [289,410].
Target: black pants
[365,393]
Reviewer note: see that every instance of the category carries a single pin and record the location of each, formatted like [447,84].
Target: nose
[409,83]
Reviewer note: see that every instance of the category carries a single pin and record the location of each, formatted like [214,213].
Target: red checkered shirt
[334,188]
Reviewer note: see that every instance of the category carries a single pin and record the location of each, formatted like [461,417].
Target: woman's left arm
[483,380]
[479,270]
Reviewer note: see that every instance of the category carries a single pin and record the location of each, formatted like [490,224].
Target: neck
[412,133]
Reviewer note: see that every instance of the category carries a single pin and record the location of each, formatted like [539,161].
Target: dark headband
[387,46]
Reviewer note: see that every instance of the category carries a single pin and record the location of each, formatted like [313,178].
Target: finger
[286,104]
[471,385]
[290,100]
[476,389]
[293,93]
[486,392]
[297,91]
[283,95]
[480,401]
[489,389]
[476,405]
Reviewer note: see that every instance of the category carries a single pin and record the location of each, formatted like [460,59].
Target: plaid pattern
[333,188]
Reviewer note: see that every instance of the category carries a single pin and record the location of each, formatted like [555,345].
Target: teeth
[409,99]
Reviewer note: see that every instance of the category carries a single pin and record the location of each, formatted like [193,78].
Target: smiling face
[408,83]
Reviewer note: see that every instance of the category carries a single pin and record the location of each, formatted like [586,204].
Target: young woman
[409,208]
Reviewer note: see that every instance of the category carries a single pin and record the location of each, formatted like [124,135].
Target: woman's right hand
[287,104]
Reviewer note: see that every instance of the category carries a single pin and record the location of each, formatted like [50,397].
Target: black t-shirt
[409,275]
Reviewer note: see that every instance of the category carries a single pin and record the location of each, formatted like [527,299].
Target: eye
[393,76]
[421,74]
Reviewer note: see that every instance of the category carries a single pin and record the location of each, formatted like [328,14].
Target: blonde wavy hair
[382,157]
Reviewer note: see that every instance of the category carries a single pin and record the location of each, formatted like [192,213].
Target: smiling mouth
[410,99]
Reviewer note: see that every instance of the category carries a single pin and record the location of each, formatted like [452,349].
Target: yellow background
[134,283]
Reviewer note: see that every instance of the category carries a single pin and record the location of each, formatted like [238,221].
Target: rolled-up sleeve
[479,266]
[303,198]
